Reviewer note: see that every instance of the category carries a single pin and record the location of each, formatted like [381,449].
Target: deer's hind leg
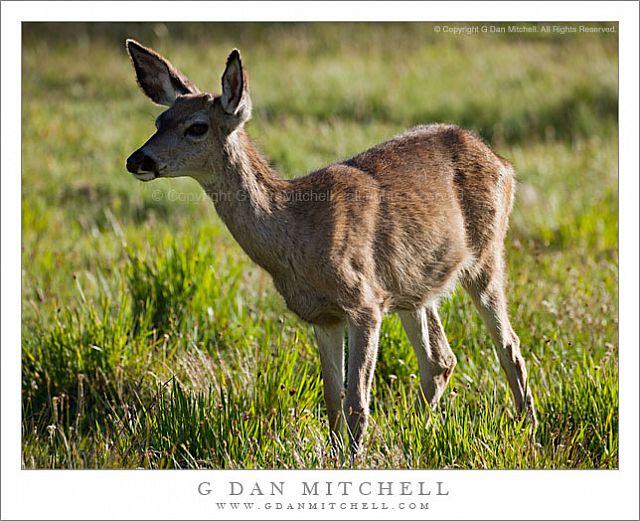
[486,288]
[436,360]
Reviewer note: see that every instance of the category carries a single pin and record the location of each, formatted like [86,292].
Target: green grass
[150,340]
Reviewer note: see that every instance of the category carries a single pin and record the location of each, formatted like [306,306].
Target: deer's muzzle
[142,166]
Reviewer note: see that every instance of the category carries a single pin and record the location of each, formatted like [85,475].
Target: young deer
[389,230]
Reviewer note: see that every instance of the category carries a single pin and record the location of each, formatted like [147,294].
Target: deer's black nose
[139,162]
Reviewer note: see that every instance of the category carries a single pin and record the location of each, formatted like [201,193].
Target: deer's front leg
[363,349]
[331,345]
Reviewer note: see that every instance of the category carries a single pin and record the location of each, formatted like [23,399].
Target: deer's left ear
[159,80]
[235,88]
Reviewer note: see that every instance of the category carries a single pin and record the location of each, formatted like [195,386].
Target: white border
[172,494]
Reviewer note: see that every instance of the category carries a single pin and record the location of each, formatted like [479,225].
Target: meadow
[150,340]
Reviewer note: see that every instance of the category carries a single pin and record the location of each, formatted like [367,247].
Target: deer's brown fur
[389,230]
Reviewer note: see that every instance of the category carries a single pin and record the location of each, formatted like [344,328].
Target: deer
[393,229]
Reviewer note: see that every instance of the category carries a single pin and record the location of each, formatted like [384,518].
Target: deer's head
[191,134]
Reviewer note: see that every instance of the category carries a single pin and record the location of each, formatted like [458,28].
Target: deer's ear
[235,88]
[159,80]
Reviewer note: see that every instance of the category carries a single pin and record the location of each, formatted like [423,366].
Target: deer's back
[435,169]
[398,223]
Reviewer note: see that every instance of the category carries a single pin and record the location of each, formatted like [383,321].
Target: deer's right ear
[159,80]
[235,88]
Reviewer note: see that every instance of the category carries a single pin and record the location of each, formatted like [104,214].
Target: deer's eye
[197,129]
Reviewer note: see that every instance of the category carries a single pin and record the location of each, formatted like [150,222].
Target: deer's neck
[249,197]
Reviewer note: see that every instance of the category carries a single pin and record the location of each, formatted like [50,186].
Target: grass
[150,340]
